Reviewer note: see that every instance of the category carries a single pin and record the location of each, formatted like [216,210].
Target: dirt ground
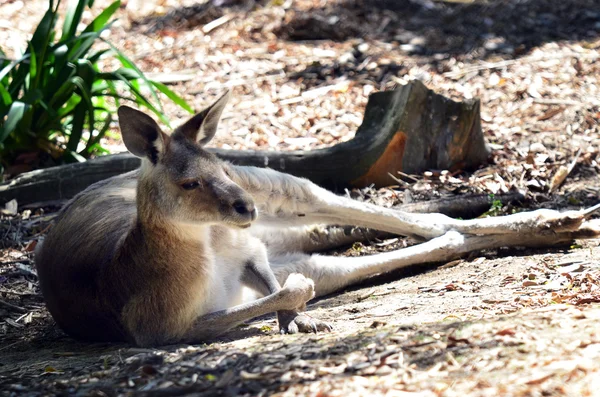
[508,322]
[493,325]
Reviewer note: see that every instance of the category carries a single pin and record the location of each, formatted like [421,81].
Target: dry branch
[410,129]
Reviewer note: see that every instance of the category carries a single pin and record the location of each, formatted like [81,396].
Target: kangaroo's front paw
[296,291]
[292,322]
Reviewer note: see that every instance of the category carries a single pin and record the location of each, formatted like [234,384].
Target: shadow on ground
[432,31]
[479,28]
[276,363]
[375,360]
[449,28]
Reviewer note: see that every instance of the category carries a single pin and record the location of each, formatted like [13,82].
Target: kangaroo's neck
[160,236]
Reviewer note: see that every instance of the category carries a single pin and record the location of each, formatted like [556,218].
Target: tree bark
[410,129]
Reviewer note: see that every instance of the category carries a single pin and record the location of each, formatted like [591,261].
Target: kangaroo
[160,255]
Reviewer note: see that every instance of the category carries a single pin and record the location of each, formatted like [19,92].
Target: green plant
[495,208]
[55,98]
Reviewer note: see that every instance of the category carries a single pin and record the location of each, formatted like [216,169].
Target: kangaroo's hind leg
[313,238]
[332,273]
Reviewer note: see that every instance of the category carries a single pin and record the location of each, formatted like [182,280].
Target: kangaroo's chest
[233,249]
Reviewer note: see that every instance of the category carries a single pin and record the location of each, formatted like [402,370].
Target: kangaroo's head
[179,179]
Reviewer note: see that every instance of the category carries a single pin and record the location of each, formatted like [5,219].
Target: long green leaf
[33,68]
[61,58]
[6,101]
[14,116]
[38,49]
[172,96]
[85,108]
[99,23]
[61,88]
[119,74]
[43,33]
[75,10]
[77,126]
[95,57]
[11,66]
[140,99]
[69,106]
[94,140]
[127,63]
[81,44]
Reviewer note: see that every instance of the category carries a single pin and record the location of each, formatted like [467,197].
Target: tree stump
[409,129]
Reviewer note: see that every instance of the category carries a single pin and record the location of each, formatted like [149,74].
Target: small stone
[363,47]
[346,58]
[409,48]
[418,41]
[494,79]
[537,147]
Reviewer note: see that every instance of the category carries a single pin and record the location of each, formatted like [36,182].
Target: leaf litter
[505,322]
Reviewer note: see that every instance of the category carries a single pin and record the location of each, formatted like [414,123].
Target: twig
[496,65]
[574,161]
[549,101]
[589,211]
[404,175]
[398,180]
[477,68]
[12,307]
[563,172]
[217,22]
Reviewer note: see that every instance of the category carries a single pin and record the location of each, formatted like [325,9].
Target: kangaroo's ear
[141,135]
[202,127]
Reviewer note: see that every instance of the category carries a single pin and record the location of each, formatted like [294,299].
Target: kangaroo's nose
[243,207]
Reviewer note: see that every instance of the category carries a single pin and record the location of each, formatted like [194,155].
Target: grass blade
[127,63]
[172,96]
[140,99]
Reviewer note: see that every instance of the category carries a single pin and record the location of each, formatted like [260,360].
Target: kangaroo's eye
[190,185]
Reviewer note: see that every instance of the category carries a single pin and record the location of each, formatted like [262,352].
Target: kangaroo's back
[86,235]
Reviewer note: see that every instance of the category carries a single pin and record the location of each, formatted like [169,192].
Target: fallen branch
[410,129]
[465,207]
